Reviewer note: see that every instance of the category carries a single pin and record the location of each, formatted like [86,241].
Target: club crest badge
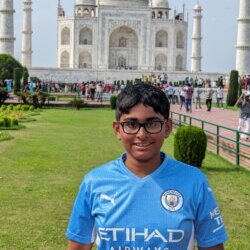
[172,200]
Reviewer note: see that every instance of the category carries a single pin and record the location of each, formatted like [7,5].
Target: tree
[34,79]
[25,77]
[17,80]
[7,66]
[232,94]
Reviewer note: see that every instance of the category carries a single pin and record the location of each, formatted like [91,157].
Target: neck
[143,168]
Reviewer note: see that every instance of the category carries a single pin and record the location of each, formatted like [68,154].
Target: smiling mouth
[145,144]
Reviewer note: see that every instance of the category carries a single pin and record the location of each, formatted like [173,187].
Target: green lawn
[41,169]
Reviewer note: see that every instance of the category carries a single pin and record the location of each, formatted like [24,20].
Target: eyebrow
[148,119]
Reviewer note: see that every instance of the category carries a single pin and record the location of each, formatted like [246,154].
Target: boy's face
[142,147]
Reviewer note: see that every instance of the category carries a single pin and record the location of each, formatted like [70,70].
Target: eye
[152,124]
[131,124]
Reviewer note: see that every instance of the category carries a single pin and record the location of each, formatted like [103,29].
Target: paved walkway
[222,117]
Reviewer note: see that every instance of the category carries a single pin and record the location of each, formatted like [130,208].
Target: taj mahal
[121,39]
[106,38]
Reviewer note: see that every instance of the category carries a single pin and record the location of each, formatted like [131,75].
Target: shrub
[25,97]
[18,107]
[3,95]
[13,122]
[190,145]
[3,107]
[77,103]
[113,99]
[31,108]
[6,121]
[38,99]
[10,107]
[25,107]
[2,124]
[232,94]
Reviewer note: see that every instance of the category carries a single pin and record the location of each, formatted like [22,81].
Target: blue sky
[219,31]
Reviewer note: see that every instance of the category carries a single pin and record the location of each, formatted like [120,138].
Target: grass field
[41,169]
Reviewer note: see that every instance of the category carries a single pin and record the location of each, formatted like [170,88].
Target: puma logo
[107,198]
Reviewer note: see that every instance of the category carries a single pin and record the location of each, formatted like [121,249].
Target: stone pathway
[222,117]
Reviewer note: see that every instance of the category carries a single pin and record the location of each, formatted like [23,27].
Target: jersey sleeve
[81,224]
[209,226]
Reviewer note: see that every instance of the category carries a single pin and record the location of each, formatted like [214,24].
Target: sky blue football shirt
[170,209]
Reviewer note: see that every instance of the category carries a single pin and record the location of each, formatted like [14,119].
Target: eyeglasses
[133,127]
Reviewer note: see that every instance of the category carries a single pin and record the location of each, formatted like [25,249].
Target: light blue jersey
[169,209]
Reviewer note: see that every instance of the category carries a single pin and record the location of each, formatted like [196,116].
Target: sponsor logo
[133,235]
[172,200]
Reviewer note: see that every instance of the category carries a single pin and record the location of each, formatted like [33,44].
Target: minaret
[243,39]
[196,40]
[27,34]
[60,11]
[7,27]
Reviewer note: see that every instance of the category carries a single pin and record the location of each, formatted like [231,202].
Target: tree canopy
[7,66]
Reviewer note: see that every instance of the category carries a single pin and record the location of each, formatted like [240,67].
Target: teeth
[142,144]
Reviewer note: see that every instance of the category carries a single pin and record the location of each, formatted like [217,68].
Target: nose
[142,131]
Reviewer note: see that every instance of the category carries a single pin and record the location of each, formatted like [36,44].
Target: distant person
[176,95]
[219,96]
[145,199]
[197,96]
[209,97]
[182,97]
[244,118]
[170,93]
[9,85]
[99,90]
[188,90]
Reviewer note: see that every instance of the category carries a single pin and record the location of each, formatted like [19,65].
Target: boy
[144,199]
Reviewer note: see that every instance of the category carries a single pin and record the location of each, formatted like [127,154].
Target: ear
[117,129]
[168,127]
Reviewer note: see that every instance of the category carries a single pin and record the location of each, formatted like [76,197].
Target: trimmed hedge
[113,100]
[232,94]
[190,145]
[17,80]
[77,103]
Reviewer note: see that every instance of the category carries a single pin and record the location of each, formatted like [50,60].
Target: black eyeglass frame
[141,125]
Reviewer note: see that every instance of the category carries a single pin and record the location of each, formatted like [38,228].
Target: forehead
[141,112]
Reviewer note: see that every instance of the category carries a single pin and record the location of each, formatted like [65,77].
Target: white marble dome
[160,4]
[125,3]
[85,2]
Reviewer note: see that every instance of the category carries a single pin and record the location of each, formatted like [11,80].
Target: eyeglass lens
[133,127]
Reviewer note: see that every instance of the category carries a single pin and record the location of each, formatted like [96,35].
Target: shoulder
[103,171]
[184,170]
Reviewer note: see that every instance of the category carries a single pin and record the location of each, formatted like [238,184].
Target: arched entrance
[123,49]
[85,60]
[161,62]
[64,60]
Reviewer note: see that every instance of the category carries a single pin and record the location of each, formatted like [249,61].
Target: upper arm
[72,245]
[218,247]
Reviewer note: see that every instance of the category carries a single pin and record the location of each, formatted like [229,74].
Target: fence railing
[222,140]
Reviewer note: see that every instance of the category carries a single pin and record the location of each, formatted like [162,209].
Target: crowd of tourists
[186,93]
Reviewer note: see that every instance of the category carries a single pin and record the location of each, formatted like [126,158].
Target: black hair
[142,93]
